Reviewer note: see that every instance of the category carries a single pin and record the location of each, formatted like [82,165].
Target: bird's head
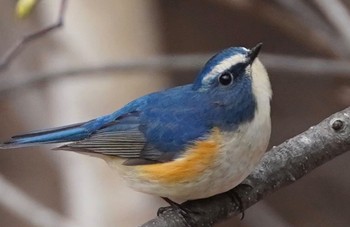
[236,80]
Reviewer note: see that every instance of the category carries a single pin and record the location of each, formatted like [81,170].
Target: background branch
[285,63]
[281,166]
[338,15]
[29,209]
[18,47]
[313,37]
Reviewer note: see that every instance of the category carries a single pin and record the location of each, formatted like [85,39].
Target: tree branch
[18,47]
[281,166]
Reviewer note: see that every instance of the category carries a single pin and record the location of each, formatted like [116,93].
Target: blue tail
[55,135]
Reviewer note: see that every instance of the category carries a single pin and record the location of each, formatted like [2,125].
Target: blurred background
[306,51]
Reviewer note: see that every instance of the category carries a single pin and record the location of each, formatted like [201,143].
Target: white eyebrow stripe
[224,65]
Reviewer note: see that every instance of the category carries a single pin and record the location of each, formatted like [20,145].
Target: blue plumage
[160,125]
[54,135]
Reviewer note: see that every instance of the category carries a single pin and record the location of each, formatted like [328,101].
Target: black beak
[253,53]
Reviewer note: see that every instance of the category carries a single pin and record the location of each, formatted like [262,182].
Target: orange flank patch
[192,164]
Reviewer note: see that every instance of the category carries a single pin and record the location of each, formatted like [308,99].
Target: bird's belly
[211,167]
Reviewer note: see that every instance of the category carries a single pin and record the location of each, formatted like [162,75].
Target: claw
[183,211]
[237,200]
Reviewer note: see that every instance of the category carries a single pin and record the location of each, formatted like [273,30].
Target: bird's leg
[237,200]
[173,205]
[185,212]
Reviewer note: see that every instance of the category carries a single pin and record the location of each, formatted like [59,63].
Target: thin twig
[19,46]
[298,65]
[339,16]
[289,24]
[33,212]
[308,15]
[281,166]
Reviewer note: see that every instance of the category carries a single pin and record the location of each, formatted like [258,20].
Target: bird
[187,142]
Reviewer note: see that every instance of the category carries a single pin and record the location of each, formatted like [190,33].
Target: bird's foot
[183,211]
[237,200]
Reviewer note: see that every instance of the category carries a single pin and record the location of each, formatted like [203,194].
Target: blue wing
[123,138]
[154,128]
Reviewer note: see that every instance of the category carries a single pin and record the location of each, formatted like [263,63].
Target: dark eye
[226,78]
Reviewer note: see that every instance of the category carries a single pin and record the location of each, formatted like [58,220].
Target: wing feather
[125,143]
[121,138]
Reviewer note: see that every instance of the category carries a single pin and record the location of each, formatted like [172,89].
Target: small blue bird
[187,142]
